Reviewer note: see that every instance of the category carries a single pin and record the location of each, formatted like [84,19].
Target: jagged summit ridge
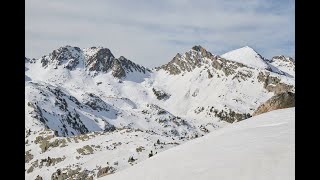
[237,63]
[188,61]
[67,56]
[96,59]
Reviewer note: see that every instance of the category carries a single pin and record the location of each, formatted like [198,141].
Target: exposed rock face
[38,178]
[28,156]
[67,55]
[189,61]
[117,70]
[200,57]
[102,60]
[174,124]
[283,58]
[85,150]
[274,84]
[105,171]
[229,115]
[160,94]
[203,51]
[71,174]
[129,66]
[279,101]
[98,59]
[68,120]
[95,102]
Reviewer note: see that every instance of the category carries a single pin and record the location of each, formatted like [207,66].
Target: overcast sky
[151,32]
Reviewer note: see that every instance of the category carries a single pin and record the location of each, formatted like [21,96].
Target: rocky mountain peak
[188,61]
[67,55]
[202,51]
[102,60]
[282,58]
[198,48]
[98,59]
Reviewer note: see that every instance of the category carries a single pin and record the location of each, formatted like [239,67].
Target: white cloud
[152,32]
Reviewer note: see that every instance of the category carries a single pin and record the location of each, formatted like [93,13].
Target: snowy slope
[200,83]
[261,147]
[247,56]
[201,100]
[75,92]
[89,152]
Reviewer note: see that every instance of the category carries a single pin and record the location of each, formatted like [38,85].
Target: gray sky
[151,32]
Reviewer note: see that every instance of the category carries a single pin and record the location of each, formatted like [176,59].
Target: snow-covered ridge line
[198,57]
[101,59]
[94,59]
[78,98]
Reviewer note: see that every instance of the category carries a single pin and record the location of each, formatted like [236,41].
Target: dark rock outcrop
[105,171]
[198,57]
[117,70]
[101,60]
[274,84]
[189,61]
[160,94]
[38,178]
[97,59]
[283,58]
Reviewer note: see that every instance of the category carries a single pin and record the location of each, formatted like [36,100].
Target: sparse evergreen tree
[151,154]
[158,141]
[131,159]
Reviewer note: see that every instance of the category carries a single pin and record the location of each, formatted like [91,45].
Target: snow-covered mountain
[262,147]
[91,59]
[247,56]
[285,64]
[91,95]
